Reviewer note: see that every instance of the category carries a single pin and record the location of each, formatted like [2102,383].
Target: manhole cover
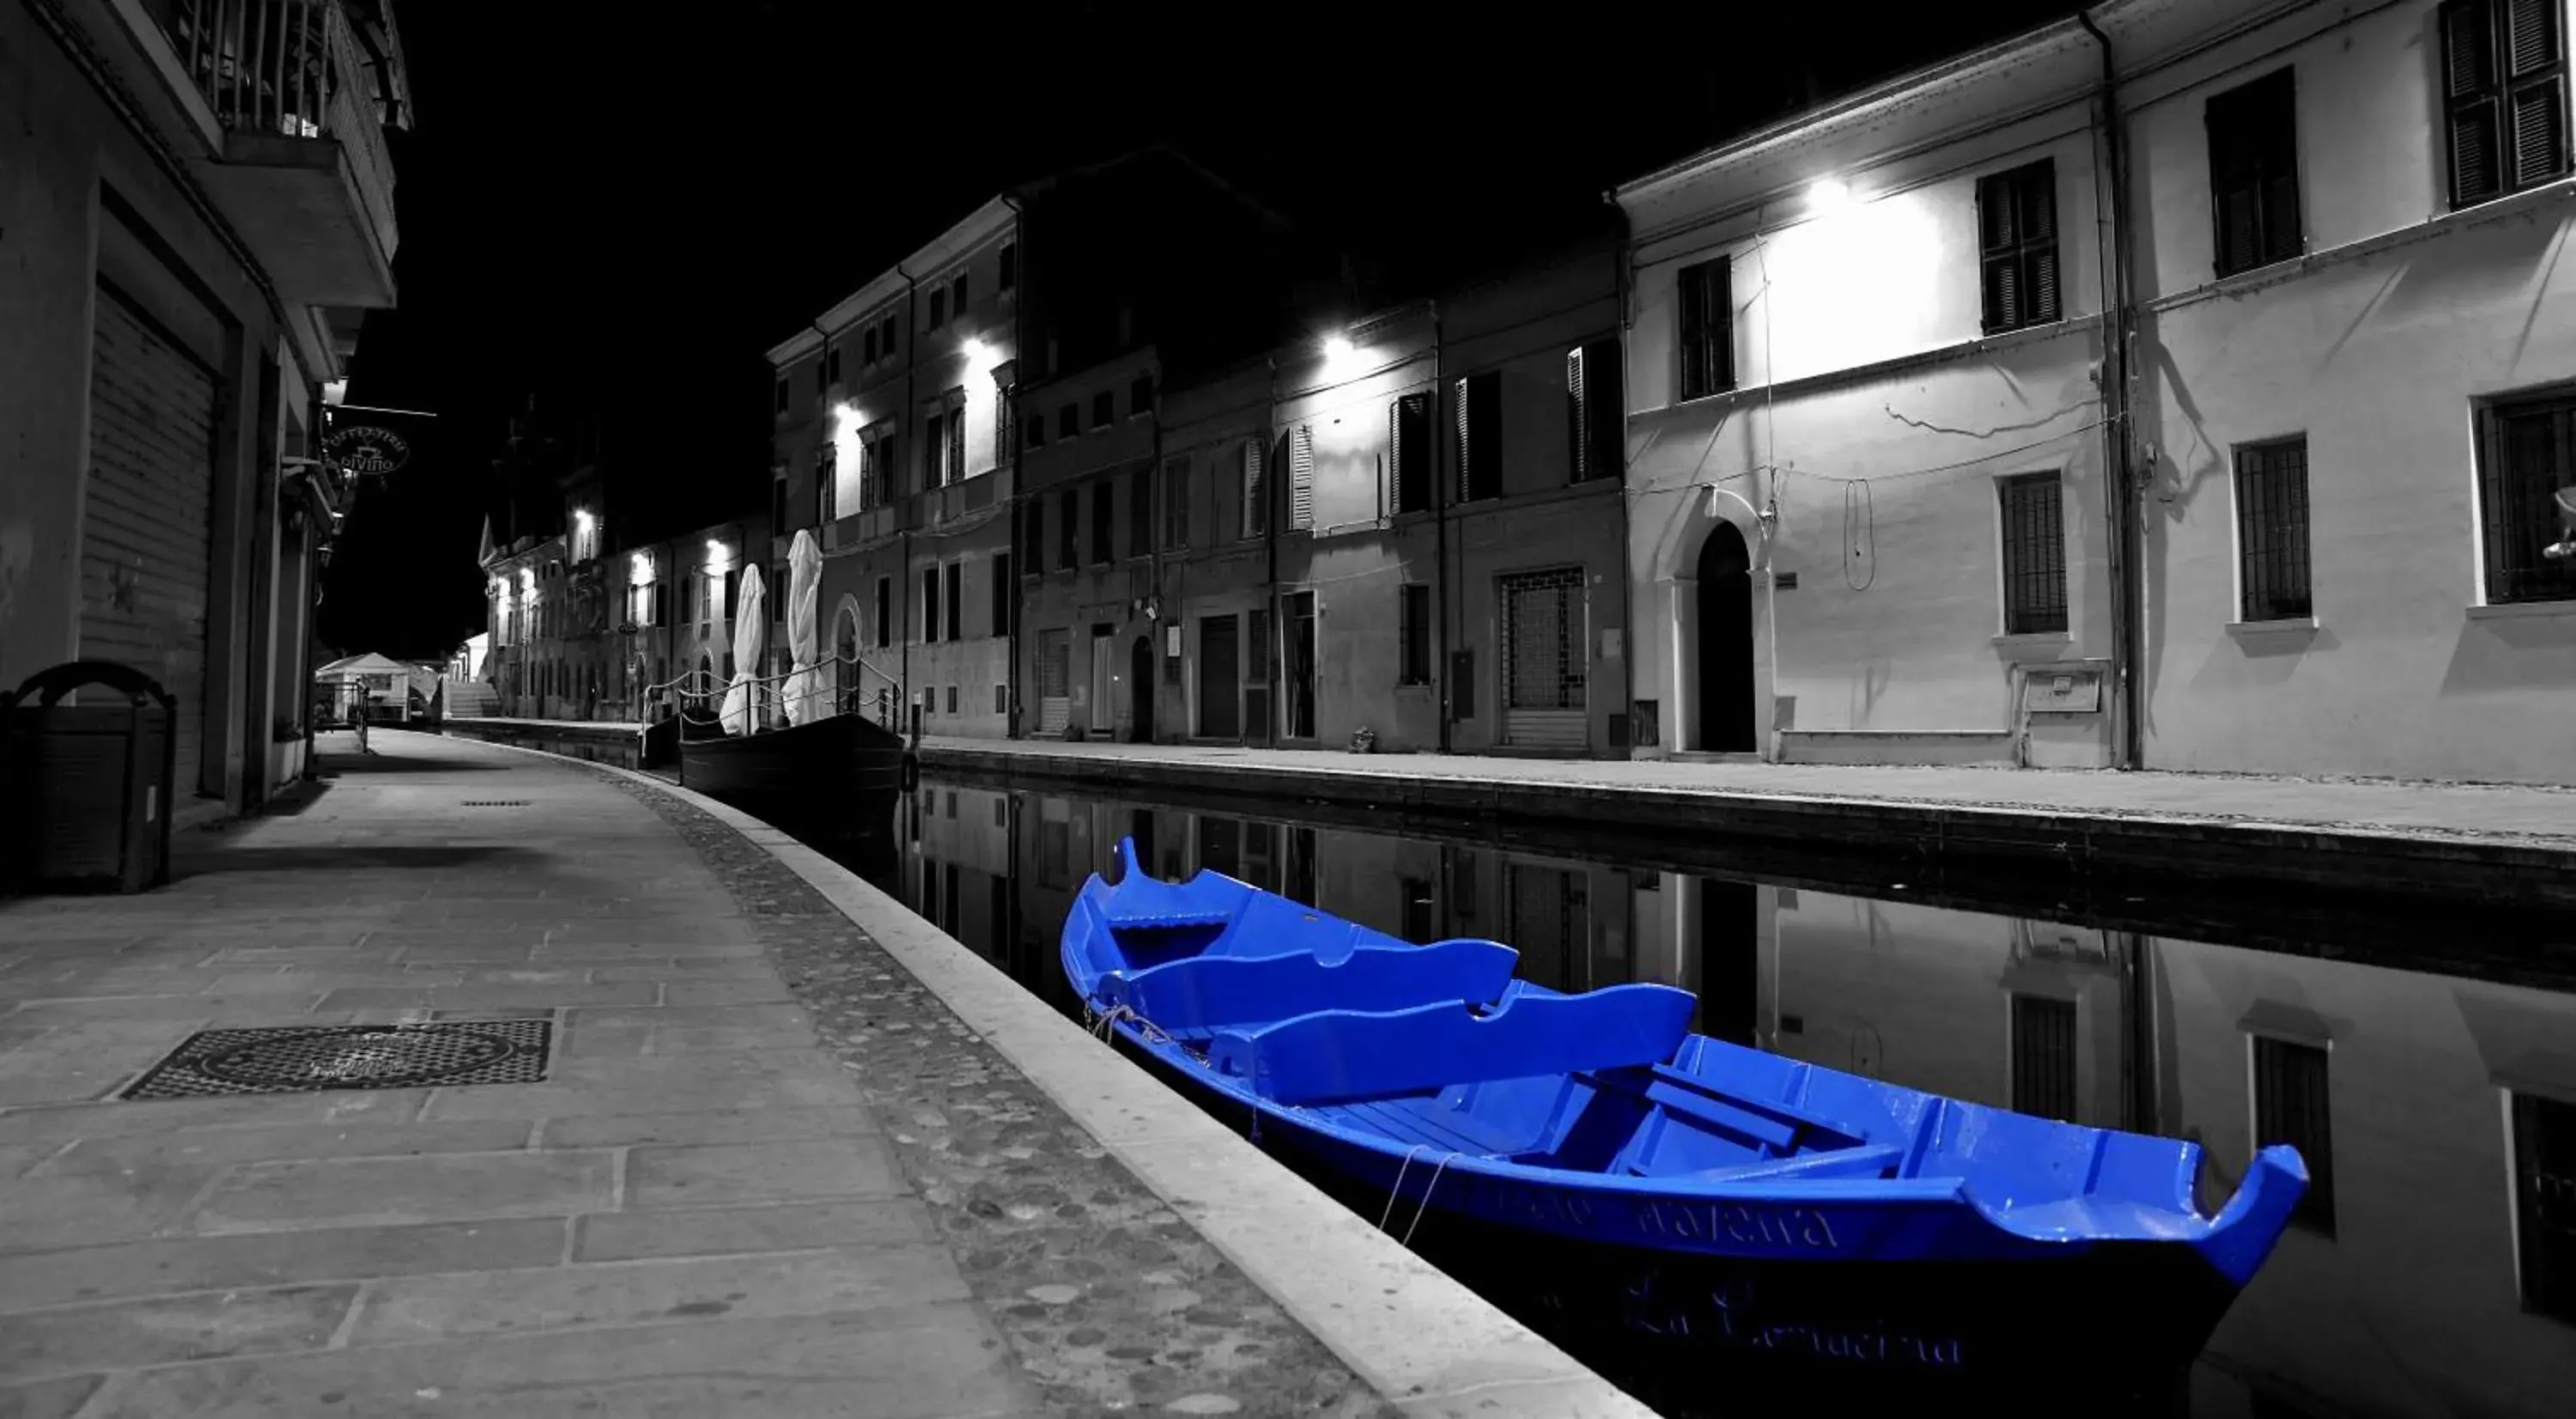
[296,1059]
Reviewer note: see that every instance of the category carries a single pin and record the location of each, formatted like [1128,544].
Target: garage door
[150,507]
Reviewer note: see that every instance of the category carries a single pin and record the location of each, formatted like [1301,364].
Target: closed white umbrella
[750,620]
[809,695]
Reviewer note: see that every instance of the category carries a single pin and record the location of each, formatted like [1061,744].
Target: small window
[956,438]
[2017,234]
[929,604]
[2034,555]
[1480,436]
[938,308]
[955,578]
[1009,278]
[1104,409]
[1413,634]
[1068,421]
[1595,438]
[2544,1196]
[1256,494]
[2272,529]
[1006,592]
[952,798]
[832,365]
[868,346]
[826,484]
[1140,395]
[886,337]
[2254,173]
[1103,494]
[1707,301]
[1068,506]
[2504,67]
[2291,1106]
[1036,426]
[1033,536]
[2527,501]
[1408,453]
[781,393]
[957,303]
[1001,705]
[1176,501]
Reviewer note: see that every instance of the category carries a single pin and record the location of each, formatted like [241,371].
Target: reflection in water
[2432,1269]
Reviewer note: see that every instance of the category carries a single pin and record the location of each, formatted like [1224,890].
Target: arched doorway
[1140,688]
[1725,644]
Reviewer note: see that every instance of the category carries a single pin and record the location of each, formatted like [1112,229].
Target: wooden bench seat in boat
[1339,1055]
[1203,993]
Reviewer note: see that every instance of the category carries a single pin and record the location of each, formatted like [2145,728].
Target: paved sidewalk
[2473,811]
[696,1213]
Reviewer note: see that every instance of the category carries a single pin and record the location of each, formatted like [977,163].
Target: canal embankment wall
[2107,835]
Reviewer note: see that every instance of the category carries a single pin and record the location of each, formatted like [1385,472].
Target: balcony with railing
[300,92]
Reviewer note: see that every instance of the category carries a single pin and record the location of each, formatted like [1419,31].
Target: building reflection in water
[2432,1270]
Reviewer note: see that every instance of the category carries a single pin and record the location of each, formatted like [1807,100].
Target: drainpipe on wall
[318,436]
[911,719]
[2119,440]
[1148,694]
[1019,493]
[1270,549]
[1621,276]
[1440,541]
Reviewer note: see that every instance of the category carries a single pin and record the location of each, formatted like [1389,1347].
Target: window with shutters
[1301,478]
[938,308]
[1006,422]
[1413,634]
[2527,499]
[1068,507]
[2272,529]
[929,604]
[827,460]
[885,612]
[2254,173]
[956,456]
[1036,430]
[1140,396]
[868,346]
[2544,1198]
[1006,594]
[1104,499]
[2034,555]
[1595,435]
[831,365]
[1256,497]
[953,592]
[1408,453]
[1068,421]
[1707,298]
[2291,1105]
[957,296]
[2504,68]
[1104,409]
[1140,513]
[1176,501]
[2017,237]
[1480,435]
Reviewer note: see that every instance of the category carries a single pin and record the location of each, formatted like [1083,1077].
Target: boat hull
[821,761]
[1663,1322]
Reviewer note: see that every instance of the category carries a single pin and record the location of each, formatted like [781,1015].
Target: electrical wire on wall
[1860,534]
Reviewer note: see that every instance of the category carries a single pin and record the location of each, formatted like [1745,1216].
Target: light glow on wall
[718,555]
[528,582]
[1828,194]
[639,570]
[1342,359]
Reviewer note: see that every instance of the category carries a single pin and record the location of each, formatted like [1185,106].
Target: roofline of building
[1942,76]
[984,222]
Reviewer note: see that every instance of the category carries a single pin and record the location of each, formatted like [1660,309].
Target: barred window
[2527,500]
[2034,555]
[1413,634]
[2272,529]
[2291,1106]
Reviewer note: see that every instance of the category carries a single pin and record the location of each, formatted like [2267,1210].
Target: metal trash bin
[85,789]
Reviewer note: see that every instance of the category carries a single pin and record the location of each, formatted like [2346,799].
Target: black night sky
[619,210]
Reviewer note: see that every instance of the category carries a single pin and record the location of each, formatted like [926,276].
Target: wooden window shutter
[1256,512]
[1577,418]
[1466,455]
[1480,436]
[2505,94]
[1408,444]
[1301,477]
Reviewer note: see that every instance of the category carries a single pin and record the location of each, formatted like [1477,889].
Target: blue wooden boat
[1588,1161]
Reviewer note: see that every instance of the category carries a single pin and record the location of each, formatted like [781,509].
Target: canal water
[2431,1270]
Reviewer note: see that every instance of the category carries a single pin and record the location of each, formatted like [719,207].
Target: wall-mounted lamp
[973,349]
[1337,347]
[333,391]
[1828,193]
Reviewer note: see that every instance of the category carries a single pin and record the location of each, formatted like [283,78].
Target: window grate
[2272,529]
[1543,652]
[2526,488]
[2034,555]
[2043,1057]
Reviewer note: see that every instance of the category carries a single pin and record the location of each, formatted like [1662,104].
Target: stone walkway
[707,1207]
[2500,812]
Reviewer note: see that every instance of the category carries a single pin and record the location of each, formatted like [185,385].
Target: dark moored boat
[824,760]
[1679,1200]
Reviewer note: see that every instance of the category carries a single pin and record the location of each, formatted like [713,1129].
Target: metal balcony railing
[264,66]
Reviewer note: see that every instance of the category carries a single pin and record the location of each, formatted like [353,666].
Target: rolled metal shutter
[1545,701]
[1055,703]
[147,523]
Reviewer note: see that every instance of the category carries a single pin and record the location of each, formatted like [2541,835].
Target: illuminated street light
[1337,347]
[1828,193]
[972,349]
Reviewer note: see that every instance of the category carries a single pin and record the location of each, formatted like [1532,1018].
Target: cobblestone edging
[1111,1302]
